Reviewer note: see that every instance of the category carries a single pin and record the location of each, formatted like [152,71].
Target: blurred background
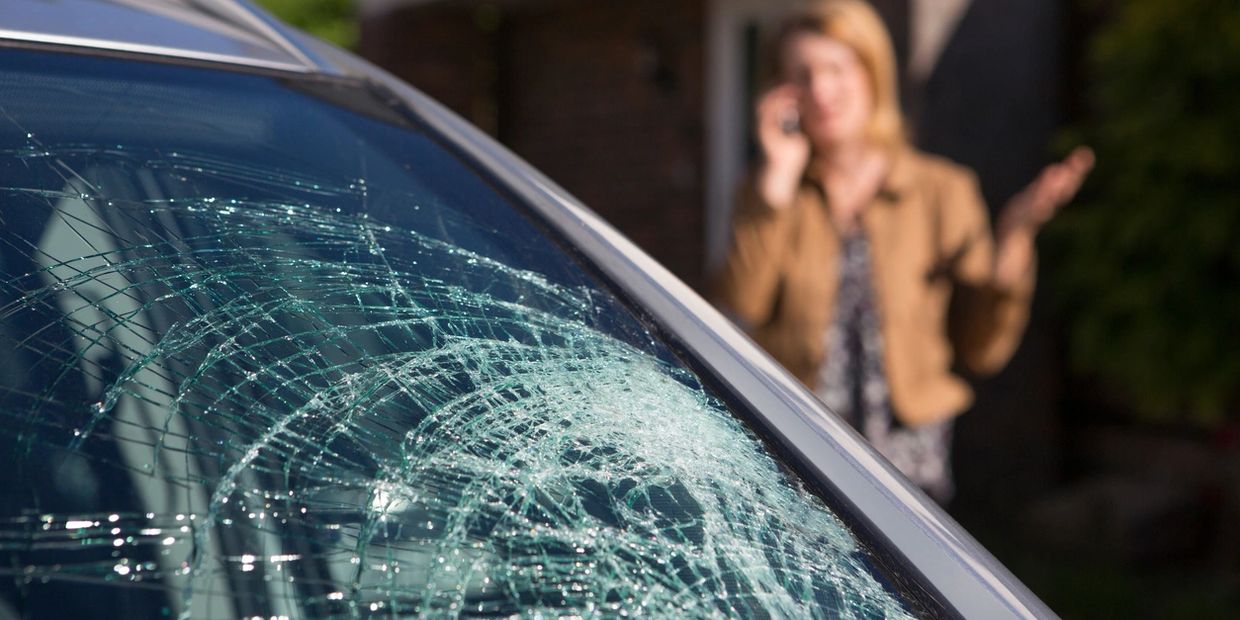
[1103,465]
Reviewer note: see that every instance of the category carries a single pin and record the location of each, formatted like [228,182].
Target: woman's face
[836,99]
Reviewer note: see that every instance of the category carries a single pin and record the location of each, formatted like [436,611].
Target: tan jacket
[931,246]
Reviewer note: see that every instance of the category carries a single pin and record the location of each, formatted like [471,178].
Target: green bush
[1148,260]
[330,20]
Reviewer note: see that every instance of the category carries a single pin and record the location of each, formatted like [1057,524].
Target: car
[281,337]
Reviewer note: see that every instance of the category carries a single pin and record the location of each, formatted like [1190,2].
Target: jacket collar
[900,178]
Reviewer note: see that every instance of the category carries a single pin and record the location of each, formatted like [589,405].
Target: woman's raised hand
[1033,207]
[785,149]
[1051,189]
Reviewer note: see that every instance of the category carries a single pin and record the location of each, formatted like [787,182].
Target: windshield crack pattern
[271,407]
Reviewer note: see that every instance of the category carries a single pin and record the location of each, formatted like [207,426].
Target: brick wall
[604,96]
[439,48]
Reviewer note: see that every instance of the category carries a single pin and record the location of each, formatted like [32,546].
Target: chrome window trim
[150,50]
[277,32]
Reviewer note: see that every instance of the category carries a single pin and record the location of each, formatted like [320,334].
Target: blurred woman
[849,246]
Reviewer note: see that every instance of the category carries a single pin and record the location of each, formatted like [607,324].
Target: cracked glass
[268,349]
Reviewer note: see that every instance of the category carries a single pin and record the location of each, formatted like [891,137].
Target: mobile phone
[790,123]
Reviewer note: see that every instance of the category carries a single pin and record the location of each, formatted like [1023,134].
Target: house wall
[604,96]
[439,48]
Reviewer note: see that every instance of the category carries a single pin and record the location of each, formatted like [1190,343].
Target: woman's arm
[995,280]
[987,320]
[761,223]
[761,239]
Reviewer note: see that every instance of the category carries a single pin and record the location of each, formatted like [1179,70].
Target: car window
[267,348]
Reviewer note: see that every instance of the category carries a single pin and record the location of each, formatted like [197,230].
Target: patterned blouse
[853,383]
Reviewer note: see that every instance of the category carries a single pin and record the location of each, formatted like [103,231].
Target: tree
[1149,261]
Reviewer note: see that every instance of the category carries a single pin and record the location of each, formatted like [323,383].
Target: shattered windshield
[268,349]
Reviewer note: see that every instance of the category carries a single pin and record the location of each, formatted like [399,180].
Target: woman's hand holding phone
[785,148]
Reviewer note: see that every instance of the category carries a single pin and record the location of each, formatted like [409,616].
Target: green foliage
[331,20]
[1149,259]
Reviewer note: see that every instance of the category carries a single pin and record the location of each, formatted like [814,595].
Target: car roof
[226,31]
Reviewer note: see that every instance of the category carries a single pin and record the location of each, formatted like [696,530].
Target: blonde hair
[855,24]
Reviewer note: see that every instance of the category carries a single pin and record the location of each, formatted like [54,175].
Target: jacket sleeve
[986,322]
[748,284]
